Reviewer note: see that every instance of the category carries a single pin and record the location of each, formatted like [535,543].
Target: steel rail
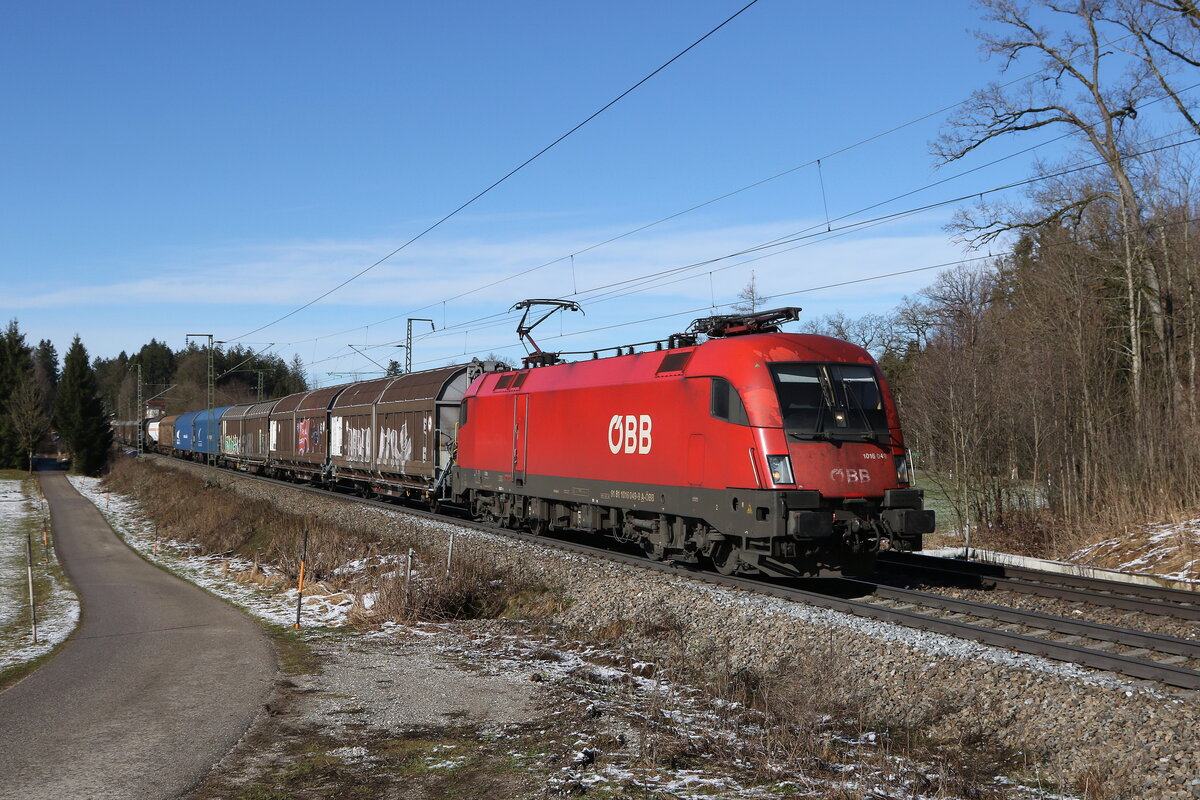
[1156,600]
[1160,643]
[1123,664]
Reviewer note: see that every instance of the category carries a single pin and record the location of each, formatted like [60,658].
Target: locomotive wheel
[725,558]
[538,527]
[483,511]
[653,551]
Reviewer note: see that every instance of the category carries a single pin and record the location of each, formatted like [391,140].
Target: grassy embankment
[784,718]
[15,530]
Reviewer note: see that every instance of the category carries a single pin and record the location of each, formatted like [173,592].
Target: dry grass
[217,521]
[810,714]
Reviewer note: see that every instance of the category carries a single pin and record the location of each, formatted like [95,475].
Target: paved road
[156,685]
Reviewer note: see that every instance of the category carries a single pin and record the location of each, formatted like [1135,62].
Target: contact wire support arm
[537,356]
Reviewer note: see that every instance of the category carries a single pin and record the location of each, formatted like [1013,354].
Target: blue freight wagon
[184,431]
[207,437]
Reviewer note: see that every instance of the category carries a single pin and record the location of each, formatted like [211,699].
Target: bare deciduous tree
[751,299]
[1086,90]
[26,410]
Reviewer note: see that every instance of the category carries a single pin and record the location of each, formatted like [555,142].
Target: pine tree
[297,374]
[79,414]
[15,366]
[45,370]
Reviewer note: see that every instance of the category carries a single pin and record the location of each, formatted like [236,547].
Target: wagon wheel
[725,558]
[538,526]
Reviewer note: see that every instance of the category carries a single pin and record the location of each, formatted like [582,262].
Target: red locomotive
[755,450]
[764,452]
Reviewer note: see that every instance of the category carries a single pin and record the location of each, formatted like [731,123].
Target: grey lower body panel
[752,513]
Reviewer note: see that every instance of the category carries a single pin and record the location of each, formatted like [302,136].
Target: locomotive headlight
[781,469]
[902,475]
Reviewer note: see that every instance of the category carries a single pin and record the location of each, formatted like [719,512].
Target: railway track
[1158,600]
[1164,659]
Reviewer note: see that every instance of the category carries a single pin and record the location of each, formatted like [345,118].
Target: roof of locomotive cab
[734,358]
[742,360]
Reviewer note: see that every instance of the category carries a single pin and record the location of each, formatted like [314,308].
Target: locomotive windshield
[830,401]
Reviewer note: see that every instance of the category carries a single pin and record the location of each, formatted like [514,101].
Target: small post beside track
[449,554]
[407,575]
[300,590]
[29,572]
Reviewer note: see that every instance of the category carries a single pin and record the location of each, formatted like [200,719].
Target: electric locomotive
[759,451]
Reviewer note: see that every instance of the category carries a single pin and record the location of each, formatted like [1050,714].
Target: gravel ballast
[1136,736]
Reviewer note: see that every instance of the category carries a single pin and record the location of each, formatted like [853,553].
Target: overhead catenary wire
[782,239]
[807,290]
[811,234]
[839,151]
[508,175]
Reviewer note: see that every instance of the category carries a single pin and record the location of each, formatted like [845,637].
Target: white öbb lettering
[850,475]
[629,434]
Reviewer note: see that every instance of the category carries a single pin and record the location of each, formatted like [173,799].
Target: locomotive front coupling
[861,525]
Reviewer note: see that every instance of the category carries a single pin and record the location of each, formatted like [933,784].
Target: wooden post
[300,590]
[407,576]
[156,538]
[29,572]
[449,555]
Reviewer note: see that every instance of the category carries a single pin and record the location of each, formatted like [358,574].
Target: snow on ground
[58,613]
[608,685]
[213,572]
[1169,549]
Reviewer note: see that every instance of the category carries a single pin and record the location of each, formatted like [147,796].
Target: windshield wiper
[814,436]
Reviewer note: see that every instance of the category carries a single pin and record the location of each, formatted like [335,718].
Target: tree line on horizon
[179,378]
[78,403]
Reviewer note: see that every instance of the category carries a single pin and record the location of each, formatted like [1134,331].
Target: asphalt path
[157,683]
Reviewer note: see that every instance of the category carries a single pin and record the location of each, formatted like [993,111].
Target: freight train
[734,445]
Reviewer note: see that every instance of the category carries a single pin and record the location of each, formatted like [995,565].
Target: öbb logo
[850,475]
[629,433]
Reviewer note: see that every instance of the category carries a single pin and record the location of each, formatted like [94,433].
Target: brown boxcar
[166,434]
[245,437]
[299,441]
[396,434]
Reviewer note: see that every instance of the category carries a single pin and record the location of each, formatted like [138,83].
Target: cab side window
[727,403]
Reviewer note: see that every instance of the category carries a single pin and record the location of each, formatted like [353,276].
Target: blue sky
[175,168]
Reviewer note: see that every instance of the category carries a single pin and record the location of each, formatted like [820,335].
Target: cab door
[520,437]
